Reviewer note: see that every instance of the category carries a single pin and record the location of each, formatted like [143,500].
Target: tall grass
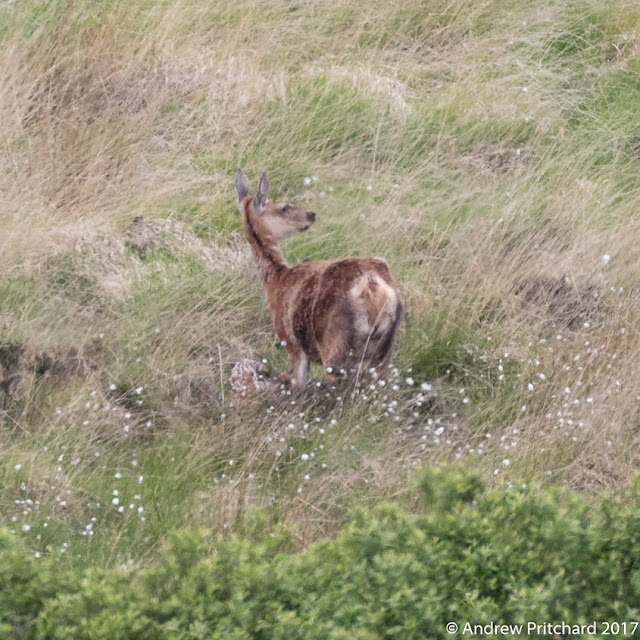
[489,150]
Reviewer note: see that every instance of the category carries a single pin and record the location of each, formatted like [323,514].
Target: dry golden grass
[488,149]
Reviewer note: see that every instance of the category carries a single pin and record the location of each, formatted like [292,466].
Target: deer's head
[281,218]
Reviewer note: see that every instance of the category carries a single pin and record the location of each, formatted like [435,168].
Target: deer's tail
[376,305]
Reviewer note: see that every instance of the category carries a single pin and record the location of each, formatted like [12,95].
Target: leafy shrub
[509,556]
[24,585]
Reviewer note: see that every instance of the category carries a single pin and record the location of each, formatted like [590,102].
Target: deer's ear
[242,188]
[263,193]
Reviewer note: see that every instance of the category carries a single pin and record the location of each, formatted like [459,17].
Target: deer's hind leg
[335,350]
[337,336]
[381,355]
[299,369]
[334,354]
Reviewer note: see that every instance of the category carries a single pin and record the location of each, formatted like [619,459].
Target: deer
[337,313]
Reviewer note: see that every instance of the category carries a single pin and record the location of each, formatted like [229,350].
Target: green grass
[484,148]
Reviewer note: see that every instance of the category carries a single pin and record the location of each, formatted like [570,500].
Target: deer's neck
[266,251]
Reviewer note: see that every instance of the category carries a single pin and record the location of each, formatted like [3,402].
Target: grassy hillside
[489,149]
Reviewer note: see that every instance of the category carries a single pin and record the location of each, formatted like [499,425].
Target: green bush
[25,583]
[508,556]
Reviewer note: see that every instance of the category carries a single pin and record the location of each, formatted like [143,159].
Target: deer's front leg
[299,367]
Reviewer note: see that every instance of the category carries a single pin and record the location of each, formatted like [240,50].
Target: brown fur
[334,312]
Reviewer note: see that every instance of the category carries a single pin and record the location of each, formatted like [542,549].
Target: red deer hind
[335,312]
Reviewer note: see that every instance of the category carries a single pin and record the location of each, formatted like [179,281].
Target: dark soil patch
[565,302]
[492,160]
[21,366]
[141,236]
